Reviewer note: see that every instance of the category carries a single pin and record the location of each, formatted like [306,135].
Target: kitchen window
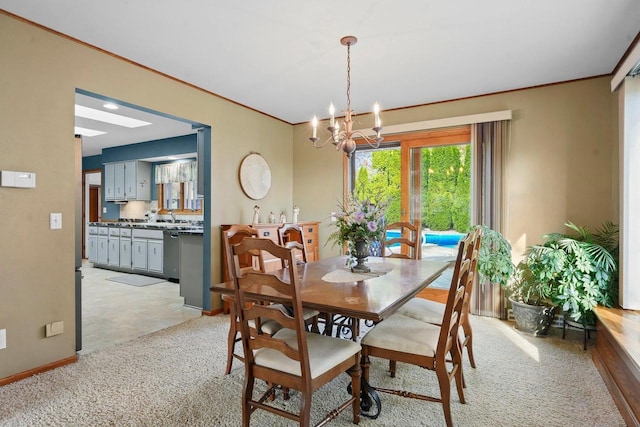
[177,185]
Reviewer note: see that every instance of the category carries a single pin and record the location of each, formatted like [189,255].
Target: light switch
[55,221]
[3,338]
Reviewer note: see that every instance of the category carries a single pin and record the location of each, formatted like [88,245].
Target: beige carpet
[175,378]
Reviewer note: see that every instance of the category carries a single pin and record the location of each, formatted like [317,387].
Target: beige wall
[39,73]
[560,167]
[561,164]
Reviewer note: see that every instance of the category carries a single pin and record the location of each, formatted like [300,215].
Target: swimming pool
[449,240]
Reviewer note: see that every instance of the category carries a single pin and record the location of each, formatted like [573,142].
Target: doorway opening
[113,312]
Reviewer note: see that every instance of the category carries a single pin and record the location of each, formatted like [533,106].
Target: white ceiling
[284,58]
[160,126]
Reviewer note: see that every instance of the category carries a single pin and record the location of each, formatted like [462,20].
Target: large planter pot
[533,319]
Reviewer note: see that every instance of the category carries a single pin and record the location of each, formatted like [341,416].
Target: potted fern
[589,275]
[575,272]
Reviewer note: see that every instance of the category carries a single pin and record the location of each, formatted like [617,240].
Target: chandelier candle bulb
[332,117]
[376,112]
[314,123]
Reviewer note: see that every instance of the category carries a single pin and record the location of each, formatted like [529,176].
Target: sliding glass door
[427,179]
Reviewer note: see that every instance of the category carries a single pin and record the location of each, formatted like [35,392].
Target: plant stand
[587,329]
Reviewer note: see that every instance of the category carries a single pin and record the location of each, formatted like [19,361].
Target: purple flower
[372,226]
[358,216]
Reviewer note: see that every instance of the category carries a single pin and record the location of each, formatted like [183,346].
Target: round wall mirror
[255,176]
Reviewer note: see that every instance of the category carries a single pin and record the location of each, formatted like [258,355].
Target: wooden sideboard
[270,231]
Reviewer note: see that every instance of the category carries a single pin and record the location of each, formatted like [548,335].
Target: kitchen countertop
[182,227]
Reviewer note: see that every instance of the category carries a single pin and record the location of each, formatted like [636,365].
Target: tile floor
[113,313]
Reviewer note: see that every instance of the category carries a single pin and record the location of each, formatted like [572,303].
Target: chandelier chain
[349,76]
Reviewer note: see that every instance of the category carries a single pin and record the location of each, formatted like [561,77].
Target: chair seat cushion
[269,326]
[309,314]
[404,334]
[306,313]
[423,309]
[324,353]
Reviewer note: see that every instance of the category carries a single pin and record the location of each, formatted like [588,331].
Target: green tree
[443,173]
[461,209]
[380,179]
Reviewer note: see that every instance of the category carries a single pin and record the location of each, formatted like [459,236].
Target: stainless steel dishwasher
[171,257]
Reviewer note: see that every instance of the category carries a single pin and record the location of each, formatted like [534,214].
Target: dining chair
[292,357]
[432,311]
[292,235]
[436,348]
[249,262]
[408,240]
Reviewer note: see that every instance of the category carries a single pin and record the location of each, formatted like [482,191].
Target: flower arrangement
[358,220]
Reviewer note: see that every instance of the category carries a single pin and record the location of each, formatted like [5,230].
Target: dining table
[328,286]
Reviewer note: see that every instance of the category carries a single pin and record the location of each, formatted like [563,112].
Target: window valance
[176,172]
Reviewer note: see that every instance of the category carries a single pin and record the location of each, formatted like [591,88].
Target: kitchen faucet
[173,216]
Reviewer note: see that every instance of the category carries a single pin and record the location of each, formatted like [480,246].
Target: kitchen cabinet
[103,245]
[139,254]
[125,248]
[130,180]
[103,250]
[118,181]
[109,182]
[137,180]
[191,285]
[154,256]
[147,250]
[114,247]
[93,244]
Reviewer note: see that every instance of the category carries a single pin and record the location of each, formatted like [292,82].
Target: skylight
[87,132]
[114,119]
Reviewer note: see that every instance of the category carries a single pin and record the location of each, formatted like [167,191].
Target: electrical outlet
[3,338]
[333,217]
[53,329]
[104,210]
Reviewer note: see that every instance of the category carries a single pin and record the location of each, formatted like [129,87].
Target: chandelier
[342,138]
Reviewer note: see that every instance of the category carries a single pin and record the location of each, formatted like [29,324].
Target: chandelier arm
[373,142]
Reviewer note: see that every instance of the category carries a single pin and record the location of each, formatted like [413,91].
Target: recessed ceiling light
[110,106]
[114,119]
[87,132]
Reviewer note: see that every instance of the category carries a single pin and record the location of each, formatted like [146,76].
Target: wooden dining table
[373,298]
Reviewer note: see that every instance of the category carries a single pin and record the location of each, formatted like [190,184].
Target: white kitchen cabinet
[130,180]
[118,181]
[109,181]
[139,254]
[114,247]
[137,178]
[154,258]
[125,248]
[103,249]
[114,251]
[93,248]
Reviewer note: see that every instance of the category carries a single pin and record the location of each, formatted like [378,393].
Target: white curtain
[176,172]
